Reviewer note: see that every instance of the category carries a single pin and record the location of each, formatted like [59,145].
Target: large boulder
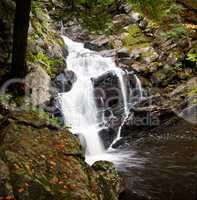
[101,43]
[109,99]
[107,91]
[38,86]
[40,161]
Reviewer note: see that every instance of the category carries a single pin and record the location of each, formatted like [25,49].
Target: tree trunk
[21,25]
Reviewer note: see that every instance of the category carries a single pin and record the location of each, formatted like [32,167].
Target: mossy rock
[107,173]
[164,76]
[45,46]
[154,66]
[136,38]
[41,161]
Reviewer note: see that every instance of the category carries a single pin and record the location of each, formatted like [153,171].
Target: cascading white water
[126,107]
[139,87]
[79,105]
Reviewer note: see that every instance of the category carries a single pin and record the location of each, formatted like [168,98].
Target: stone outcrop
[39,160]
[38,86]
[101,43]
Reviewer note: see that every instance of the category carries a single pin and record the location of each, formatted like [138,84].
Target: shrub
[176,32]
[192,56]
[154,9]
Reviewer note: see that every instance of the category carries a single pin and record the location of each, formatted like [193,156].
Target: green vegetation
[192,56]
[193,95]
[173,13]
[176,32]
[150,8]
[93,14]
[39,20]
[17,103]
[48,63]
[44,115]
[158,10]
[135,38]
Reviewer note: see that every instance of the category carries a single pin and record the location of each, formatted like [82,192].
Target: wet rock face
[149,113]
[107,89]
[41,161]
[108,95]
[110,103]
[107,136]
[107,80]
[118,144]
[65,81]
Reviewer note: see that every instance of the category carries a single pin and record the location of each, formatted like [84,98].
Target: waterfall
[78,106]
[126,104]
[139,87]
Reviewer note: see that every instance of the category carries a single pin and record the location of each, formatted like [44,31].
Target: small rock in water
[119,143]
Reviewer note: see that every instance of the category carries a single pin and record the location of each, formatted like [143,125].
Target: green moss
[42,29]
[44,115]
[135,38]
[193,92]
[48,63]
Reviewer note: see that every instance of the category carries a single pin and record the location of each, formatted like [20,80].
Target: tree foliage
[154,9]
[94,14]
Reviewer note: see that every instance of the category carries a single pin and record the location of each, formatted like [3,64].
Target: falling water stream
[79,105]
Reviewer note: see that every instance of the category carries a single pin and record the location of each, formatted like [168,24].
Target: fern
[192,57]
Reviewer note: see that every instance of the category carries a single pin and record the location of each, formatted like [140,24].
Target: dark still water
[169,170]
